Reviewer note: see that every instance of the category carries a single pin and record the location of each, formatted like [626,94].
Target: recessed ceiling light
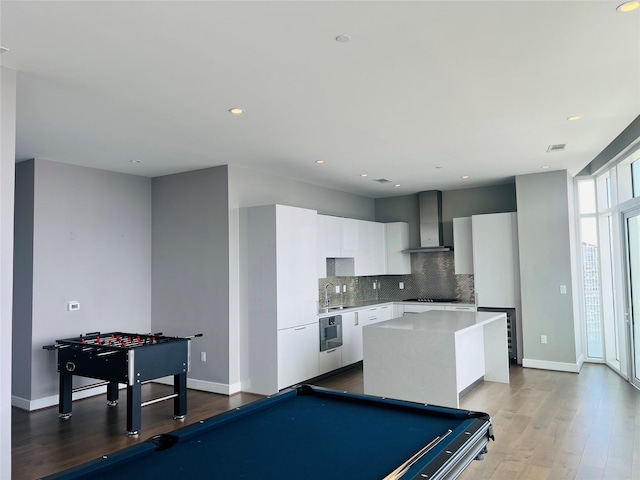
[438,167]
[236,111]
[319,162]
[364,174]
[397,185]
[574,118]
[628,7]
[343,38]
[465,176]
[133,160]
[545,167]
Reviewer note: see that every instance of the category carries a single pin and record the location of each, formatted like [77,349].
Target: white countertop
[439,321]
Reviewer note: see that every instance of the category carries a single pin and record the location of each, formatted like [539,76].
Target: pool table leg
[180,401]
[134,409]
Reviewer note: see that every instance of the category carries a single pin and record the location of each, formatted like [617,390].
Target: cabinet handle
[300,328]
[331,351]
[357,320]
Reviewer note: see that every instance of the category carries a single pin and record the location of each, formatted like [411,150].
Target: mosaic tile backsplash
[432,276]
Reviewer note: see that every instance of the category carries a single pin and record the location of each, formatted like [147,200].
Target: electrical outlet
[344,288]
[563,289]
[337,288]
[401,285]
[543,339]
[203,356]
[375,284]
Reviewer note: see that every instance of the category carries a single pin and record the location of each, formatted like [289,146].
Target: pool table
[309,433]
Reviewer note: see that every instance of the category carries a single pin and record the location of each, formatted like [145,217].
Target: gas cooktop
[432,300]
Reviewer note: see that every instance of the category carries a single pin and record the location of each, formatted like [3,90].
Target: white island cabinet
[280,329]
[432,357]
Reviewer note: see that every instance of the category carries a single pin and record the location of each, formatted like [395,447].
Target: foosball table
[124,358]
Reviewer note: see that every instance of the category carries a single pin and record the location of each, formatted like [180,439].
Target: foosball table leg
[180,401]
[66,392]
[134,409]
[112,394]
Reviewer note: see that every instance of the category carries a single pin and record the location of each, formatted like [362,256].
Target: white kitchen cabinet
[412,308]
[460,308]
[330,360]
[385,312]
[398,310]
[495,260]
[370,256]
[462,245]
[351,338]
[298,349]
[397,240]
[278,261]
[337,239]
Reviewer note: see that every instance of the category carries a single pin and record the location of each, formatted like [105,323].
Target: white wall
[547,252]
[7,168]
[91,244]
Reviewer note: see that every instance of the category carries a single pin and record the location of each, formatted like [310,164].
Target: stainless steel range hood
[431,238]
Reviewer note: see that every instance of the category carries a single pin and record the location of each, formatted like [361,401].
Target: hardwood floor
[548,425]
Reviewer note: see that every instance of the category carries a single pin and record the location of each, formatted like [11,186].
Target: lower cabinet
[351,338]
[385,312]
[330,360]
[421,308]
[461,308]
[298,349]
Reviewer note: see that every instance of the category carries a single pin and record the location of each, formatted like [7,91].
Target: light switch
[563,289]
[73,306]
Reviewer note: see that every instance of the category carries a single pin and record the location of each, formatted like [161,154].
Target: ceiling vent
[382,180]
[557,148]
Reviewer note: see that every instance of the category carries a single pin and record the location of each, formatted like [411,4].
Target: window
[591,291]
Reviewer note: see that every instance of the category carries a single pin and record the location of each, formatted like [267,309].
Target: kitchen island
[433,357]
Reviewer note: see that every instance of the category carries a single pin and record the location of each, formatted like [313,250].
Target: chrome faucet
[326,293]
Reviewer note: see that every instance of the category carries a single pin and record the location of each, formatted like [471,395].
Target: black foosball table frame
[124,358]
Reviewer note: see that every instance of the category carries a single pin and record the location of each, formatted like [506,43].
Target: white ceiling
[424,93]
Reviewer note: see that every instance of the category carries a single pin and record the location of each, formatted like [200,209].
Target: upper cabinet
[397,240]
[362,248]
[337,239]
[370,255]
[462,245]
[495,260]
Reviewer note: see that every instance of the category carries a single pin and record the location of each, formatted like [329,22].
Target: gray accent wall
[190,292]
[23,278]
[7,175]
[547,246]
[91,244]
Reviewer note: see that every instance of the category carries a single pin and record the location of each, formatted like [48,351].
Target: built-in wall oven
[330,332]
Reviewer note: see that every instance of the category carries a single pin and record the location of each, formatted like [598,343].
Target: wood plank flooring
[548,425]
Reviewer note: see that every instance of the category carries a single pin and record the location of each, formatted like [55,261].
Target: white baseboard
[557,366]
[205,386]
[51,400]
